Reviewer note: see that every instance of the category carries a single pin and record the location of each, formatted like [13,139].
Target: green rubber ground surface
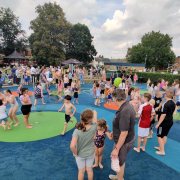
[45,125]
[62,93]
[142,92]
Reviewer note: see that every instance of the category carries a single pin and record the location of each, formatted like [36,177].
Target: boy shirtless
[66,81]
[68,110]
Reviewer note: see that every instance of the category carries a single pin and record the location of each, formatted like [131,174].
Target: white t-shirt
[122,86]
[3,112]
[144,70]
[175,72]
[59,70]
[140,70]
[33,70]
[150,90]
[47,75]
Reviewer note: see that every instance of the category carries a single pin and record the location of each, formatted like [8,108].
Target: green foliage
[51,34]
[80,44]
[13,35]
[1,57]
[155,47]
[155,76]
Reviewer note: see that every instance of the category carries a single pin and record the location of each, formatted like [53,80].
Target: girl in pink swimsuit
[60,87]
[136,99]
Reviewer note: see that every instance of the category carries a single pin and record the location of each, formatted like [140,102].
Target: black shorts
[67,118]
[152,124]
[65,85]
[124,151]
[56,81]
[26,109]
[163,129]
[102,91]
[75,94]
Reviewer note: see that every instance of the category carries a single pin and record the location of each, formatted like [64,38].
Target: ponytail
[81,126]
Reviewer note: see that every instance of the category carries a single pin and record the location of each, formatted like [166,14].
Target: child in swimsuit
[68,111]
[60,87]
[110,91]
[102,131]
[136,99]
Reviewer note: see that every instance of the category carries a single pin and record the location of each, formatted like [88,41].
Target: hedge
[155,76]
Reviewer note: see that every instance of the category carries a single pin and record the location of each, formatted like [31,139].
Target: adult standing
[81,76]
[28,72]
[44,82]
[26,107]
[70,77]
[131,76]
[123,130]
[18,75]
[33,73]
[175,72]
[113,77]
[13,71]
[37,73]
[14,106]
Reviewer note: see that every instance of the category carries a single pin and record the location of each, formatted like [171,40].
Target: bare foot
[73,102]
[4,127]
[95,165]
[17,124]
[11,123]
[34,104]
[43,103]
[29,127]
[9,128]
[50,94]
[158,148]
[149,137]
[95,104]
[142,140]
[175,113]
[72,121]
[137,149]
[143,149]
[62,134]
[77,103]
[160,153]
[99,105]
[101,166]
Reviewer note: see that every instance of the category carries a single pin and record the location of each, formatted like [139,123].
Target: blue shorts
[163,96]
[26,79]
[109,96]
[4,119]
[178,103]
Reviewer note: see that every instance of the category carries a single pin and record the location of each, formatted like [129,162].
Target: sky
[114,24]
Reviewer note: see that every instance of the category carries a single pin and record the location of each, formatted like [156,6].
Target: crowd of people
[87,144]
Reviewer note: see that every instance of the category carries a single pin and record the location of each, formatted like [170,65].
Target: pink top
[60,86]
[22,97]
[163,84]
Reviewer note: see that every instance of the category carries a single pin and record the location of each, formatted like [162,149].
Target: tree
[128,55]
[155,47]
[80,44]
[13,35]
[51,34]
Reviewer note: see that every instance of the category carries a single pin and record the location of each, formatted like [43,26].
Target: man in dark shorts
[165,122]
[123,130]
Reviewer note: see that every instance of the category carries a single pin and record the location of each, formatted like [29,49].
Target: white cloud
[123,26]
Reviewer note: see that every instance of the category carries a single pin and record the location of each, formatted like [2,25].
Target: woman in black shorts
[26,107]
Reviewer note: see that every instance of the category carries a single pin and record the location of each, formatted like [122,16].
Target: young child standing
[97,95]
[135,78]
[68,111]
[60,88]
[82,145]
[67,91]
[102,88]
[144,114]
[19,89]
[110,91]
[165,121]
[25,79]
[38,93]
[3,116]
[75,94]
[102,131]
[94,89]
[151,89]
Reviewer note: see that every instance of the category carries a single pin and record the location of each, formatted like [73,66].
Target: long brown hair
[86,117]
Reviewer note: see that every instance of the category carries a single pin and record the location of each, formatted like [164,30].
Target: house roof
[102,59]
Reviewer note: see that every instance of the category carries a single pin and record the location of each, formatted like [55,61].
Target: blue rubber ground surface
[51,159]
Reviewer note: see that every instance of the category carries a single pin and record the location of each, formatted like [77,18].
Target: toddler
[110,91]
[102,131]
[97,95]
[75,89]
